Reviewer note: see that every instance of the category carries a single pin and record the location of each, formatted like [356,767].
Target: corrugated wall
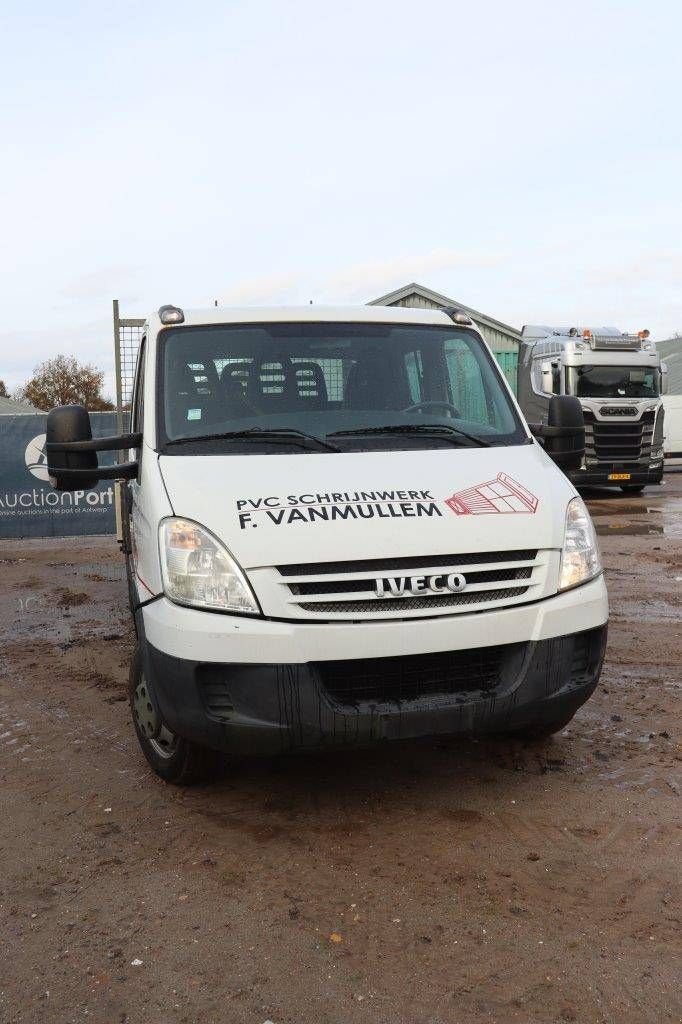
[498,340]
[508,362]
[416,302]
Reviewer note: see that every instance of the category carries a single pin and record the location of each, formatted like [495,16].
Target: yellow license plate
[619,476]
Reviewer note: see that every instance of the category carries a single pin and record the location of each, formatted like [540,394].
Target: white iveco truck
[618,379]
[340,529]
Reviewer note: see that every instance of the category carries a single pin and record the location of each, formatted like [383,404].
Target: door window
[138,391]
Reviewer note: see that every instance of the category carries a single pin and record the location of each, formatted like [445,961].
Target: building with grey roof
[500,336]
[10,407]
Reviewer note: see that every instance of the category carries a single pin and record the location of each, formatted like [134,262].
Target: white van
[341,530]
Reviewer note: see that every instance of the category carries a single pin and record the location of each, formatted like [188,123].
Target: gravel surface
[435,881]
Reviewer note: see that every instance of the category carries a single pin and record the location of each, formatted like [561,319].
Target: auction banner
[29,507]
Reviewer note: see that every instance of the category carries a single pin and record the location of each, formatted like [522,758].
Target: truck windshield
[614,381]
[274,386]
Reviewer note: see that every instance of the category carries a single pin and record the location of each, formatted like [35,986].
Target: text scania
[336,506]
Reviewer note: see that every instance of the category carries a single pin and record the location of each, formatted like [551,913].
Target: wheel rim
[161,739]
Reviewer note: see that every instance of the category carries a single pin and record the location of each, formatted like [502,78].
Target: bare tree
[3,390]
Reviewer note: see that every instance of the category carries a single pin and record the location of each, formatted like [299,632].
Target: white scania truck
[619,380]
[341,530]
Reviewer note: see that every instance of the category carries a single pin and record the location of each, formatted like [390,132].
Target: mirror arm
[96,444]
[122,471]
[544,430]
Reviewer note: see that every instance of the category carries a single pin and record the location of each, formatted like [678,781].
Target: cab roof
[279,314]
[531,331]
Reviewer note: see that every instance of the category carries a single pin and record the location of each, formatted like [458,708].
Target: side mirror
[72,452]
[664,378]
[564,434]
[69,423]
[546,379]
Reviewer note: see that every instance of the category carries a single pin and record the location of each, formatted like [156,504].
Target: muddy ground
[441,881]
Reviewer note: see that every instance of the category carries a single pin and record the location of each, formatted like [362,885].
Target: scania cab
[619,380]
[340,530]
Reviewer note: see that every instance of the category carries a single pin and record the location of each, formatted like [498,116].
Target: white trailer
[672,444]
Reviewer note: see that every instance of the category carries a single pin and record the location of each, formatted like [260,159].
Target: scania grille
[618,410]
[404,587]
[383,680]
[624,441]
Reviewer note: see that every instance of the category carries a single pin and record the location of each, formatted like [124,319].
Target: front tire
[173,758]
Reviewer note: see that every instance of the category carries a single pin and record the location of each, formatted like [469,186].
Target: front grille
[418,675]
[418,562]
[413,603]
[618,410]
[349,589]
[618,442]
[363,585]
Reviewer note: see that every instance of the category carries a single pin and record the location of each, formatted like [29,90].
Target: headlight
[580,559]
[198,571]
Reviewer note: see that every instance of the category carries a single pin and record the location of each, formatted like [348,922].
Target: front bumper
[211,689]
[268,709]
[596,477]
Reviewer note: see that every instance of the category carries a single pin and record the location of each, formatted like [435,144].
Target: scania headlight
[198,571]
[580,559]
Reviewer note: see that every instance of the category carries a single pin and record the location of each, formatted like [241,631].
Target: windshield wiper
[435,429]
[277,435]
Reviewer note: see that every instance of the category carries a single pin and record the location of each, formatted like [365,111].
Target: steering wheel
[433,405]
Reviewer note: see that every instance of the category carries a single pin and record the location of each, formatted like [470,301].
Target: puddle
[624,510]
[648,611]
[629,529]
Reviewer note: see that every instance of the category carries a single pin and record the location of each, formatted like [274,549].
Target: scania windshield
[613,381]
[329,387]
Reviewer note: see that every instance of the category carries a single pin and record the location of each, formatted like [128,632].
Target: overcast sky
[524,158]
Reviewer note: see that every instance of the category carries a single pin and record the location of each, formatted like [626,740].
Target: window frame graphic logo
[501,495]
